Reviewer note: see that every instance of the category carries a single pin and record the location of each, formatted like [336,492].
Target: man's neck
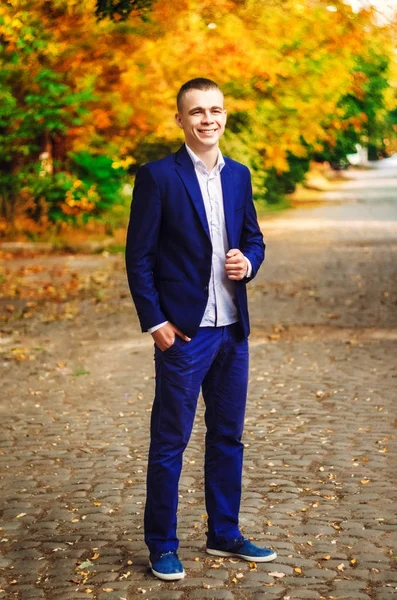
[209,156]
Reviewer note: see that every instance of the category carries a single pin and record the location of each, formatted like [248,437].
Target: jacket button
[206,288]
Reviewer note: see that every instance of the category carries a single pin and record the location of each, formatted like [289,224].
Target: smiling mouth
[208,130]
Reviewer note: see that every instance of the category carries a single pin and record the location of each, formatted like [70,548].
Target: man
[193,244]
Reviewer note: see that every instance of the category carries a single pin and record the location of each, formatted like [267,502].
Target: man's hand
[165,336]
[236,265]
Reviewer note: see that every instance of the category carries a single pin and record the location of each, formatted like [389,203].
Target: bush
[278,185]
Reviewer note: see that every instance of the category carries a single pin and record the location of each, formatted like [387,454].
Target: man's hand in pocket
[165,336]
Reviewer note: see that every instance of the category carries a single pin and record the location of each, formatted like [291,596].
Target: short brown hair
[200,83]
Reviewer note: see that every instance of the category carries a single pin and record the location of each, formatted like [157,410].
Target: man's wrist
[249,267]
[153,329]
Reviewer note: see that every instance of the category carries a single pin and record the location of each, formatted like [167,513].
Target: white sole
[243,556]
[167,576]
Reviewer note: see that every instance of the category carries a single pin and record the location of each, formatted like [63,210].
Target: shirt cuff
[152,329]
[249,267]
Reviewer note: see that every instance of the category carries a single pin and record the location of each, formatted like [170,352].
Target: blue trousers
[216,359]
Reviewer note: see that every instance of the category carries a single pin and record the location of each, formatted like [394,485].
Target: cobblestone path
[320,437]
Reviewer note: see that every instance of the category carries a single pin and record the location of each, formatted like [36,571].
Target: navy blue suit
[168,258]
[169,247]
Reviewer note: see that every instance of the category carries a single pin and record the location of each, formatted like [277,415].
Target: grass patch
[80,371]
[263,209]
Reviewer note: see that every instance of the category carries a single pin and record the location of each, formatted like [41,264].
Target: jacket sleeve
[251,239]
[141,248]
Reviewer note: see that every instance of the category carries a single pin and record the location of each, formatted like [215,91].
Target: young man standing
[193,244]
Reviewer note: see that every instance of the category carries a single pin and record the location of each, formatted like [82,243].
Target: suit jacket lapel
[228,192]
[187,173]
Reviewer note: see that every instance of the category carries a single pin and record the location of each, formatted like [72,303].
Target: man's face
[202,118]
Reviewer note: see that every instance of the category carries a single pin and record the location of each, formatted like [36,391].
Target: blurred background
[88,94]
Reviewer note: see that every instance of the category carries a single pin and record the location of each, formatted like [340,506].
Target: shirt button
[206,288]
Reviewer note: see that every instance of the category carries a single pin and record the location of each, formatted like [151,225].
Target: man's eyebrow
[201,108]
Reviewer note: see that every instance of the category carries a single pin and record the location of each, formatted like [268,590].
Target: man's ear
[178,120]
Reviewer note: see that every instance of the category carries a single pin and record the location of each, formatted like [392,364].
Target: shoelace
[165,553]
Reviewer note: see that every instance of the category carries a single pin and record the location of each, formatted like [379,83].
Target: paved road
[320,457]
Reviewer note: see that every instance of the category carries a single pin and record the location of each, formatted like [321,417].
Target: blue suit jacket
[168,253]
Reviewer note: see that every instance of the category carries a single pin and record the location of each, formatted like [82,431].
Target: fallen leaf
[20,515]
[298,570]
[108,590]
[125,575]
[364,481]
[276,574]
[85,564]
[341,567]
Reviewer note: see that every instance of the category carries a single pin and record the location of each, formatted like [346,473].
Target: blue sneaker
[242,548]
[167,566]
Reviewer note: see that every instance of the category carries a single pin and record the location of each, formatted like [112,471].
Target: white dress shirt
[221,307]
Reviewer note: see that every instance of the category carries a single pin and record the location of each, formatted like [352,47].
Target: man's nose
[207,117]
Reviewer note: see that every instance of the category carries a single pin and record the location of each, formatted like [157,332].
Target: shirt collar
[198,163]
